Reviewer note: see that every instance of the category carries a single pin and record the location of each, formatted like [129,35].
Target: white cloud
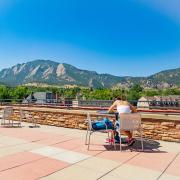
[167,7]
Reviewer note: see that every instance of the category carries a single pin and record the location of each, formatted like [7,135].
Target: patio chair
[130,122]
[24,115]
[90,131]
[6,118]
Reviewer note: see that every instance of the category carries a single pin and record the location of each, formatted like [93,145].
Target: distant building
[159,102]
[145,102]
[41,98]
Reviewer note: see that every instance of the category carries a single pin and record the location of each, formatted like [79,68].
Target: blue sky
[120,37]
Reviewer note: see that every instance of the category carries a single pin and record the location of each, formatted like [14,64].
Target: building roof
[162,98]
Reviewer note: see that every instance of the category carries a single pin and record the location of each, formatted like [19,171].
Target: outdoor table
[105,112]
[116,114]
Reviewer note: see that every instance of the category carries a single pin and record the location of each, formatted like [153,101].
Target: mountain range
[61,74]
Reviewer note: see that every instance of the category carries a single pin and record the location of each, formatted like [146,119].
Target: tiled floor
[54,153]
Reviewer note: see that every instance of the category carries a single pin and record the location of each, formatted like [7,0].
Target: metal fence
[95,103]
[90,103]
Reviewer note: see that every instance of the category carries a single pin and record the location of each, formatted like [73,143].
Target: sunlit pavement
[54,153]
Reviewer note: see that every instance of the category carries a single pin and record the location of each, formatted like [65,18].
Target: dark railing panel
[90,103]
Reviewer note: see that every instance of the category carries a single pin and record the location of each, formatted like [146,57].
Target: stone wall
[162,129]
[158,127]
[61,119]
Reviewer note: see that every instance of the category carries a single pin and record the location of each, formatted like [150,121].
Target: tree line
[134,93]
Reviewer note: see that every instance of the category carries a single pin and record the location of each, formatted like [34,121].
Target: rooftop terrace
[54,153]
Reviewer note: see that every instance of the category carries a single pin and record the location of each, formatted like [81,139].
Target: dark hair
[121,98]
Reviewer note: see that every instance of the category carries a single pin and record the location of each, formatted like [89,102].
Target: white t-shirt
[123,109]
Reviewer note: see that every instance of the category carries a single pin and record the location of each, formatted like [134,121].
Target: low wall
[155,126]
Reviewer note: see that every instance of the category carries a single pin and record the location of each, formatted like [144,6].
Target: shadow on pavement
[150,146]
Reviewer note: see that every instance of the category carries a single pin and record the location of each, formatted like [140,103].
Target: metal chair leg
[108,135]
[114,142]
[89,140]
[142,145]
[120,147]
[86,136]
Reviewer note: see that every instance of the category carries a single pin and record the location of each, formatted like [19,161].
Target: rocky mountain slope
[53,73]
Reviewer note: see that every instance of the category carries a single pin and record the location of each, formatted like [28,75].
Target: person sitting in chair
[123,106]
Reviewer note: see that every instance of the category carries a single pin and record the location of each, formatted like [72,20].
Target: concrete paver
[75,172]
[8,162]
[169,177]
[54,153]
[48,151]
[169,147]
[174,168]
[128,172]
[118,156]
[33,170]
[100,164]
[155,161]
[70,157]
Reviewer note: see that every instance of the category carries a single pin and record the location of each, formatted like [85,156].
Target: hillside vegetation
[60,74]
[133,93]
